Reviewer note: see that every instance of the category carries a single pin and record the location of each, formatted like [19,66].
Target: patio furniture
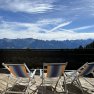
[52,74]
[24,78]
[83,71]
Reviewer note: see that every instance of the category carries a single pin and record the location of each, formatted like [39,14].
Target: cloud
[63,36]
[47,36]
[34,27]
[15,30]
[76,8]
[83,27]
[42,25]
[60,25]
[27,6]
[49,21]
[20,27]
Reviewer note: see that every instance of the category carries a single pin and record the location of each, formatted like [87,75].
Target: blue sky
[47,19]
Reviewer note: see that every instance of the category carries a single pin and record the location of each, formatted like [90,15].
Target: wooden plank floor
[47,90]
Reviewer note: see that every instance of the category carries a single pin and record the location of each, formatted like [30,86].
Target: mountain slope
[40,44]
[90,46]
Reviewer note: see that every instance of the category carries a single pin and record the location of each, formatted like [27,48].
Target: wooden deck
[47,89]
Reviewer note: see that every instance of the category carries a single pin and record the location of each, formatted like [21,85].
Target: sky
[47,19]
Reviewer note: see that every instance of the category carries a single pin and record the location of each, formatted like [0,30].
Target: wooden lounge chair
[23,78]
[82,72]
[54,72]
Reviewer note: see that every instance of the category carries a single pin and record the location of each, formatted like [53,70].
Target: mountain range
[30,43]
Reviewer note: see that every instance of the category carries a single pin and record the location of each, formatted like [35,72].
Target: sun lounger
[23,78]
[83,71]
[54,72]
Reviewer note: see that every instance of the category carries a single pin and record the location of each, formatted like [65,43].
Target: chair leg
[80,85]
[27,87]
[65,86]
[57,83]
[42,85]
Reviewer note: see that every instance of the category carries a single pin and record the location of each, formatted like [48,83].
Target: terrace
[88,89]
[36,57]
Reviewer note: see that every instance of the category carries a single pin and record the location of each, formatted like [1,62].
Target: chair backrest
[55,69]
[17,70]
[91,68]
[86,69]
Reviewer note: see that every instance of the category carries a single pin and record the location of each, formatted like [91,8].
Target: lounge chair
[54,72]
[83,71]
[23,78]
